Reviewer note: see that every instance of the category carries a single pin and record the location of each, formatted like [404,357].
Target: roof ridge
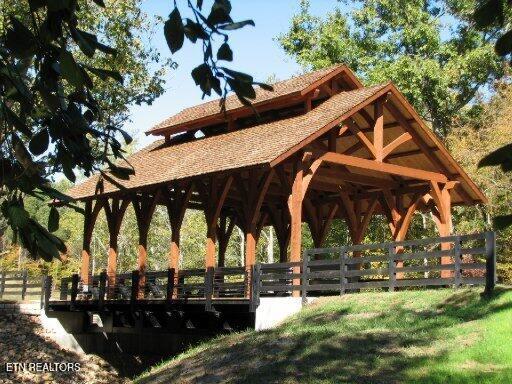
[233,98]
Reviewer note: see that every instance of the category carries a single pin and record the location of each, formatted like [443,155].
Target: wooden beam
[90,217]
[361,137]
[378,130]
[403,138]
[336,177]
[356,162]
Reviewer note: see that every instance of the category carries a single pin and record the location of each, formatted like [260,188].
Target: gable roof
[246,147]
[295,86]
[271,143]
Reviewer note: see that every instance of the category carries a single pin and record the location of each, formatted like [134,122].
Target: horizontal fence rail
[135,287]
[442,261]
[20,286]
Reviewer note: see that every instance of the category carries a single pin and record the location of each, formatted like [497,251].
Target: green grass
[429,336]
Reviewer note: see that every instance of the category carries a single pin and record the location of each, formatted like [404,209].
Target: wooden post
[443,220]
[305,277]
[177,201]
[102,289]
[255,287]
[24,285]
[343,270]
[135,292]
[392,267]
[90,216]
[295,207]
[490,261]
[47,292]
[208,288]
[213,197]
[114,212]
[74,289]
[170,284]
[2,285]
[458,260]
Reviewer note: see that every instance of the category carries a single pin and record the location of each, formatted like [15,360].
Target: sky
[255,49]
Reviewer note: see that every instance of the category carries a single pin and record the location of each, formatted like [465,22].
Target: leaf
[266,87]
[104,74]
[126,136]
[501,156]
[488,13]
[83,41]
[237,25]
[16,122]
[225,53]
[70,69]
[504,44]
[202,75]
[174,31]
[238,75]
[39,142]
[17,215]
[219,13]
[19,39]
[502,222]
[53,219]
[194,31]
[100,3]
[36,4]
[199,4]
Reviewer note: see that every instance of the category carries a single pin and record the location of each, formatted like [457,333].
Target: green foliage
[210,76]
[489,14]
[63,97]
[427,48]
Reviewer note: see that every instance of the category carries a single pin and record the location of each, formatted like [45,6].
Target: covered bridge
[322,146]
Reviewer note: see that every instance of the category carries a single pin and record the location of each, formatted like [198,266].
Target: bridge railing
[442,261]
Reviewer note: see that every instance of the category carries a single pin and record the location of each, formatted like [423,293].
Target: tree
[429,49]
[54,117]
[489,15]
[471,141]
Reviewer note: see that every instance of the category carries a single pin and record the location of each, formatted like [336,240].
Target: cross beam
[392,169]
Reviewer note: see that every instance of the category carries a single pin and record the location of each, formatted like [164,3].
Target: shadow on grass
[334,345]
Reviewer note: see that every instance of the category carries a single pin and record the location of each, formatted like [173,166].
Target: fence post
[135,288]
[343,270]
[490,261]
[47,292]
[43,281]
[208,288]
[305,277]
[2,285]
[392,267]
[74,289]
[255,285]
[102,289]
[170,284]
[458,258]
[24,276]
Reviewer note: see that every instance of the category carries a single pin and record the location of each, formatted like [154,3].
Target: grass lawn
[428,336]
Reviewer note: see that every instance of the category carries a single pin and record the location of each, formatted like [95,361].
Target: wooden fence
[187,284]
[467,260]
[20,286]
[414,263]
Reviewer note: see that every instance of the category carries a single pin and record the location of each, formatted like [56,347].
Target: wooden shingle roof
[287,88]
[261,144]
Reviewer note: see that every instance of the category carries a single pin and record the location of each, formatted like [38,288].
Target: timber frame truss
[361,166]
